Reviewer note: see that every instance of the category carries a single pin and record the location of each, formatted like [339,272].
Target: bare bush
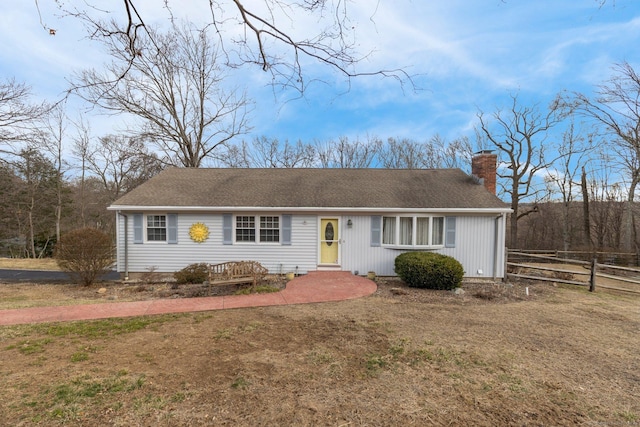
[85,253]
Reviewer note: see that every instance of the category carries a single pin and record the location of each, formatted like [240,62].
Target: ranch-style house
[301,220]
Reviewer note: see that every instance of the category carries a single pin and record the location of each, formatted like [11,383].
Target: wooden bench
[237,272]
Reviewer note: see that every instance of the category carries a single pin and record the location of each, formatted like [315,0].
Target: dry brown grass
[493,356]
[29,264]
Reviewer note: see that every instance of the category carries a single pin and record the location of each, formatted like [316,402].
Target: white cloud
[465,54]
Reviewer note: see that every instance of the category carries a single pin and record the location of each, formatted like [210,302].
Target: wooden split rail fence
[615,277]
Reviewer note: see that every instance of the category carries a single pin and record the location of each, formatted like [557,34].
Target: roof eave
[131,208]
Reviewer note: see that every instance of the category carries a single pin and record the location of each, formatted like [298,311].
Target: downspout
[496,246]
[126,245]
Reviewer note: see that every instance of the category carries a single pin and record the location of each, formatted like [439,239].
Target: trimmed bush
[85,253]
[192,273]
[429,270]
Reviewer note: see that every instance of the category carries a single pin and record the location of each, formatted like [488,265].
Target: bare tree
[586,211]
[348,154]
[454,154]
[271,153]
[606,206]
[616,108]
[573,152]
[17,116]
[53,137]
[235,156]
[434,153]
[174,85]
[10,189]
[122,163]
[81,150]
[258,33]
[37,196]
[520,135]
[402,154]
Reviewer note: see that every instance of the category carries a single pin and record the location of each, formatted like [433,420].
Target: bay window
[413,231]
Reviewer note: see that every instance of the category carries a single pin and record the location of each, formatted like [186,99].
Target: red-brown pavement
[314,287]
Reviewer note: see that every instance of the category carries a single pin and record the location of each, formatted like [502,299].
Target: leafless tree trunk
[606,203]
[53,137]
[616,108]
[586,214]
[174,84]
[573,151]
[520,135]
[81,149]
[39,178]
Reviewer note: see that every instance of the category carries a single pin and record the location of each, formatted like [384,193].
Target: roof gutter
[363,210]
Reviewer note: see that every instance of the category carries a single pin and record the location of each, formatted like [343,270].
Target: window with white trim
[266,227]
[269,229]
[156,228]
[421,231]
[245,229]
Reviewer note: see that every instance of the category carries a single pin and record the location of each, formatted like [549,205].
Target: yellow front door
[329,240]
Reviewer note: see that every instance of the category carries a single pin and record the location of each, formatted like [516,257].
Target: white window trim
[414,224]
[256,220]
[145,227]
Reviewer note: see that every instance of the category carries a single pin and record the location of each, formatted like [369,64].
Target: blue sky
[466,55]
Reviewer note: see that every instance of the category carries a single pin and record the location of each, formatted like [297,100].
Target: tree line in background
[568,169]
[46,191]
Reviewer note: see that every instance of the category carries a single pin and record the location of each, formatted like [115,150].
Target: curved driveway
[310,288]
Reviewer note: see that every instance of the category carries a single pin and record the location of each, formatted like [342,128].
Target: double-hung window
[245,229]
[419,231]
[269,229]
[156,228]
[265,228]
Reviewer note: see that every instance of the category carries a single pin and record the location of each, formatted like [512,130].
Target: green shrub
[85,254]
[192,273]
[429,270]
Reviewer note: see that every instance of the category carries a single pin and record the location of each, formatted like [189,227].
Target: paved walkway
[310,288]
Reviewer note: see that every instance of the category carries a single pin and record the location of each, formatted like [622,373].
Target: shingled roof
[311,188]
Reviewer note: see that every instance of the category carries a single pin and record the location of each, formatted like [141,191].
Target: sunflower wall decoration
[199,232]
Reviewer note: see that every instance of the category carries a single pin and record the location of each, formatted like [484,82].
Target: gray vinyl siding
[164,257]
[474,248]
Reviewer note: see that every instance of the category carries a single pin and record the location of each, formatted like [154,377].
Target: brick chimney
[483,166]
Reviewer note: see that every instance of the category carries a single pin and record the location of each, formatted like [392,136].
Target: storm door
[329,241]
